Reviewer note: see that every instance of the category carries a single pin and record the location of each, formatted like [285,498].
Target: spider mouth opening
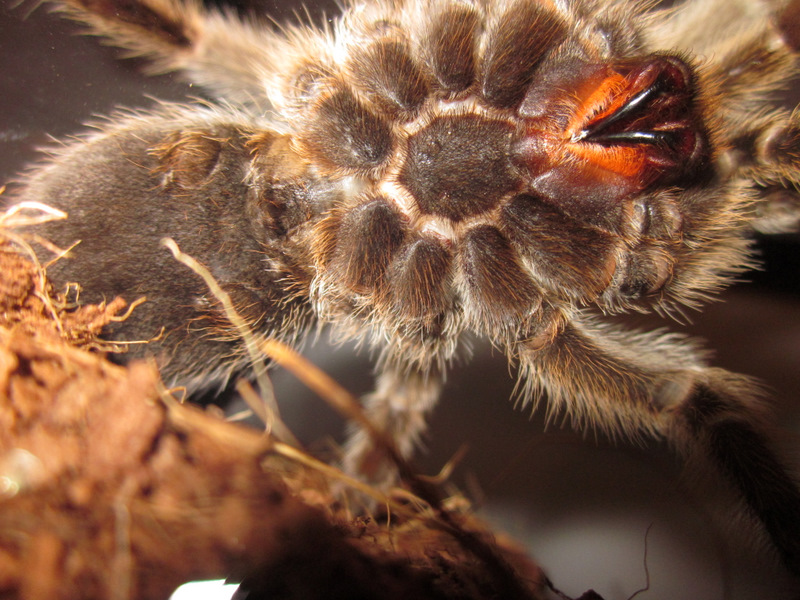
[649,110]
[617,128]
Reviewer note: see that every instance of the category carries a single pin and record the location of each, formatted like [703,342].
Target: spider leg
[658,384]
[232,58]
[774,165]
[399,407]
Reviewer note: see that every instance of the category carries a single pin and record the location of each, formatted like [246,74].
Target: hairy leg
[399,407]
[233,58]
[658,384]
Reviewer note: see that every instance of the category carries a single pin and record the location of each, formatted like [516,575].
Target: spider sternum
[467,130]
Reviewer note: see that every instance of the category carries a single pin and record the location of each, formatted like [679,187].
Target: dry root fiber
[110,489]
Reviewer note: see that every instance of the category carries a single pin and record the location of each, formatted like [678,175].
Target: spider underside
[428,170]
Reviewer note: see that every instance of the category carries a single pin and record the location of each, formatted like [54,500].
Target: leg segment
[399,406]
[231,58]
[716,419]
[658,384]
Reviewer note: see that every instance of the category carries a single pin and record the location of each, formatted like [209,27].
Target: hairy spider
[426,170]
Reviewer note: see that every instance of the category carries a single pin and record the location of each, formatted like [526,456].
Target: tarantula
[426,170]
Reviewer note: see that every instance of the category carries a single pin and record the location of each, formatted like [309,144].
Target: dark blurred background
[581,506]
